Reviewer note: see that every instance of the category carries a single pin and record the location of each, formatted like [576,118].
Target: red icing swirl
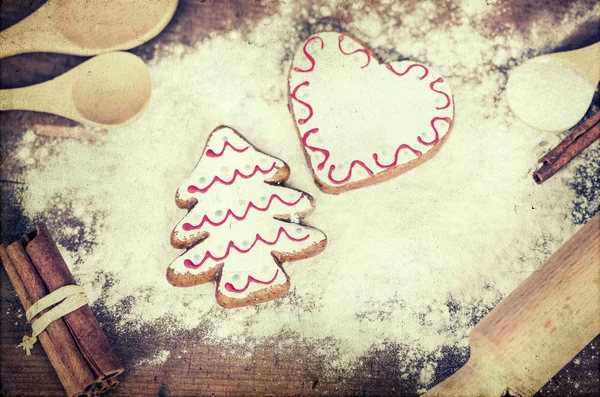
[325,152]
[229,286]
[363,50]
[308,56]
[431,86]
[437,135]
[414,65]
[211,153]
[194,189]
[395,162]
[205,219]
[349,175]
[191,265]
[310,110]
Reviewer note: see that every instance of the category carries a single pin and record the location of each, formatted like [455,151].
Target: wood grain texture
[194,367]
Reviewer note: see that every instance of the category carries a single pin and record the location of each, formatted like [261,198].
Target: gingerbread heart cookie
[362,122]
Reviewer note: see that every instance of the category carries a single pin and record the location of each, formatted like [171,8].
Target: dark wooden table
[193,366]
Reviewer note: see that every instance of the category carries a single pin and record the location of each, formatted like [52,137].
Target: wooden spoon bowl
[553,92]
[111,88]
[83,27]
[108,91]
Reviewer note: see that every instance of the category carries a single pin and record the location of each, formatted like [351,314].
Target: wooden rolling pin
[538,328]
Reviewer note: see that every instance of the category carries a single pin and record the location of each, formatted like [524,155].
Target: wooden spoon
[553,92]
[84,27]
[538,328]
[108,91]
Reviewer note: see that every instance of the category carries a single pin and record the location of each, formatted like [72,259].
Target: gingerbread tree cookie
[242,224]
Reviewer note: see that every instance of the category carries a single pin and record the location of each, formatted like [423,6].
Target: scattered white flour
[409,261]
[160,358]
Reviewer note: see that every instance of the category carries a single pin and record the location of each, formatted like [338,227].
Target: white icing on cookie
[246,251]
[227,156]
[358,118]
[237,218]
[224,204]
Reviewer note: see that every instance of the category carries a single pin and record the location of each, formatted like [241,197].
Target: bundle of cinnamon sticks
[582,136]
[75,344]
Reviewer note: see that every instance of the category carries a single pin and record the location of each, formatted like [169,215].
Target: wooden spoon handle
[539,327]
[585,61]
[19,99]
[32,34]
[43,97]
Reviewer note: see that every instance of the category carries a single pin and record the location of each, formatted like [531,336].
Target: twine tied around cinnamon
[67,299]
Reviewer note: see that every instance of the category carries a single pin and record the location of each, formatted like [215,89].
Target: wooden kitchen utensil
[538,328]
[552,92]
[83,27]
[108,91]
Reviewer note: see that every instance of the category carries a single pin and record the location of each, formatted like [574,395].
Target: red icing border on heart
[325,152]
[448,101]
[308,56]
[356,162]
[364,51]
[414,65]
[310,109]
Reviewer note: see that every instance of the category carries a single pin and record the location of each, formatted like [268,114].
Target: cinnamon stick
[82,323]
[582,137]
[75,344]
[61,349]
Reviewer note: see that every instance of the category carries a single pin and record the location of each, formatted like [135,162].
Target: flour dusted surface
[410,261]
